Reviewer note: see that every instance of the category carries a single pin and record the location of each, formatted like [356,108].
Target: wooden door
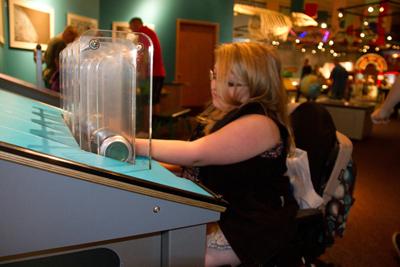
[195,45]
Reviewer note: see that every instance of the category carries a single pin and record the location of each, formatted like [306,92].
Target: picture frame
[30,24]
[2,39]
[81,23]
[120,26]
[124,27]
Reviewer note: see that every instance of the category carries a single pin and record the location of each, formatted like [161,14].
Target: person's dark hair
[136,20]
[336,61]
[71,29]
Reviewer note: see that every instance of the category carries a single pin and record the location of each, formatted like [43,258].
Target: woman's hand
[380,117]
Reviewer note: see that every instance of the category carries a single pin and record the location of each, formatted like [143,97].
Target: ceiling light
[376,48]
[313,51]
[340,15]
[381,9]
[366,23]
[389,38]
[370,9]
[297,41]
[362,35]
[323,25]
[331,42]
[303,50]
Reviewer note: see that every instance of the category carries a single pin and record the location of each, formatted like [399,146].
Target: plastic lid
[116,147]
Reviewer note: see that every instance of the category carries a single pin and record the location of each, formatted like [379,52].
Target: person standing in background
[306,68]
[338,79]
[136,25]
[54,47]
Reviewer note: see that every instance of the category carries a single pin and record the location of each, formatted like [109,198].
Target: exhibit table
[351,119]
[61,204]
[30,90]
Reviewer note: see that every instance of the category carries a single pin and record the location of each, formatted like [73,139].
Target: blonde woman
[242,156]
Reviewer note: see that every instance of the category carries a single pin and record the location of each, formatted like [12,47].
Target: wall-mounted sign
[378,61]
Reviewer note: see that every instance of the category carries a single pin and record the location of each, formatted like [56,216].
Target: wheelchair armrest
[311,231]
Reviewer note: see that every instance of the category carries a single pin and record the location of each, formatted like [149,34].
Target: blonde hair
[257,65]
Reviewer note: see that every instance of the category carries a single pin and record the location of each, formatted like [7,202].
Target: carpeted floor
[375,215]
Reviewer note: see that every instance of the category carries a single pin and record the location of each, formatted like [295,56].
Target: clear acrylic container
[106,85]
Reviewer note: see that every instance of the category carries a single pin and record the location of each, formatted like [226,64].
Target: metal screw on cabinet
[94,44]
[156,209]
[139,46]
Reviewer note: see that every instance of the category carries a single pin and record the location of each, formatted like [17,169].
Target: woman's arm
[239,140]
[382,114]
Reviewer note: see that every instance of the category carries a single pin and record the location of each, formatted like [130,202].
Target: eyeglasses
[213,76]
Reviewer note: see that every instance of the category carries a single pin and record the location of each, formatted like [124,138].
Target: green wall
[19,62]
[162,13]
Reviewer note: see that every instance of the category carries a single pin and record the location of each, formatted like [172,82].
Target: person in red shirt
[136,25]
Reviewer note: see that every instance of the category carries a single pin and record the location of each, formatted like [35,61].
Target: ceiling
[241,21]
[323,5]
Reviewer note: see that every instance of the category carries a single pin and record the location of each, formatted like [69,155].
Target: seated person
[241,154]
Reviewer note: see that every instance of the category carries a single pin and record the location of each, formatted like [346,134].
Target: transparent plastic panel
[83,116]
[69,92]
[63,81]
[62,67]
[76,92]
[111,92]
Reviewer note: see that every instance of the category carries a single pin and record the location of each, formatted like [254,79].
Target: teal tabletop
[35,126]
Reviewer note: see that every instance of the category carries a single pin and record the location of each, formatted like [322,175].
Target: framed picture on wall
[124,27]
[30,24]
[81,23]
[2,40]
[121,27]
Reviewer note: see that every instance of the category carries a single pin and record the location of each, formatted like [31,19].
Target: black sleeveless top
[260,218]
